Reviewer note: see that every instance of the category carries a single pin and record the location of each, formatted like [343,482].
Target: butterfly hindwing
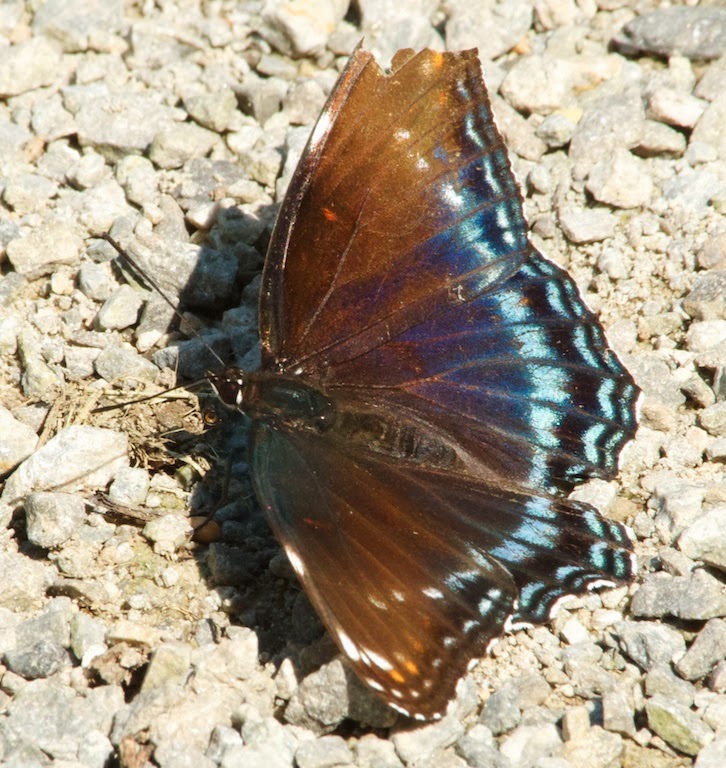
[412,570]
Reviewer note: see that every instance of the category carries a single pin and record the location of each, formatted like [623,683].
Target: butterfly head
[229,385]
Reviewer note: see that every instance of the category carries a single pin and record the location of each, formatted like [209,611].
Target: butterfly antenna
[146,277]
[115,406]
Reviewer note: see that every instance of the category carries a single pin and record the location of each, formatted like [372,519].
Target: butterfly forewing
[399,205]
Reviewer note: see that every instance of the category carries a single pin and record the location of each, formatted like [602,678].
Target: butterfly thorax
[288,403]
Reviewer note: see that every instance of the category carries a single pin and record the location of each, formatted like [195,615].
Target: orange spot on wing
[411,667]
[330,215]
[396,676]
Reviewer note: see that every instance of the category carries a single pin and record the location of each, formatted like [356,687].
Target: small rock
[587,226]
[77,457]
[597,749]
[18,442]
[618,712]
[660,679]
[303,28]
[213,110]
[120,310]
[620,180]
[325,752]
[174,146]
[698,33]
[168,533]
[44,249]
[28,65]
[650,644]
[696,597]
[130,486]
[677,725]
[705,538]
[418,742]
[527,743]
[169,663]
[707,649]
[52,518]
[374,752]
[713,419]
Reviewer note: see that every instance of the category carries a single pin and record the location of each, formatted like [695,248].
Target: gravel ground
[175,126]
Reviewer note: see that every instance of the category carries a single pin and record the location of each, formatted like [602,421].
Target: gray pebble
[478,747]
[215,111]
[413,744]
[303,102]
[87,634]
[303,30]
[96,280]
[173,146]
[261,98]
[52,518]
[74,23]
[130,486]
[29,192]
[168,533]
[527,743]
[390,25]
[120,310]
[325,752]
[695,597]
[677,725]
[119,124]
[169,663]
[707,298]
[28,65]
[618,711]
[77,457]
[556,130]
[374,752]
[587,226]
[223,739]
[713,419]
[117,364]
[610,122]
[79,362]
[597,749]
[659,139]
[698,33]
[620,180]
[18,442]
[649,644]
[493,29]
[705,538]
[678,505]
[661,679]
[707,649]
[712,254]
[675,107]
[227,566]
[44,249]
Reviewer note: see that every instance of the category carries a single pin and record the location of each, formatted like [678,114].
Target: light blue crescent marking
[555,292]
[491,176]
[595,523]
[583,346]
[452,198]
[598,555]
[565,571]
[511,307]
[456,580]
[591,438]
[529,591]
[471,130]
[512,551]
[533,342]
[549,383]
[605,397]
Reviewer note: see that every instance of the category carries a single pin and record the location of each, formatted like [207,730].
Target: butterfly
[430,386]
